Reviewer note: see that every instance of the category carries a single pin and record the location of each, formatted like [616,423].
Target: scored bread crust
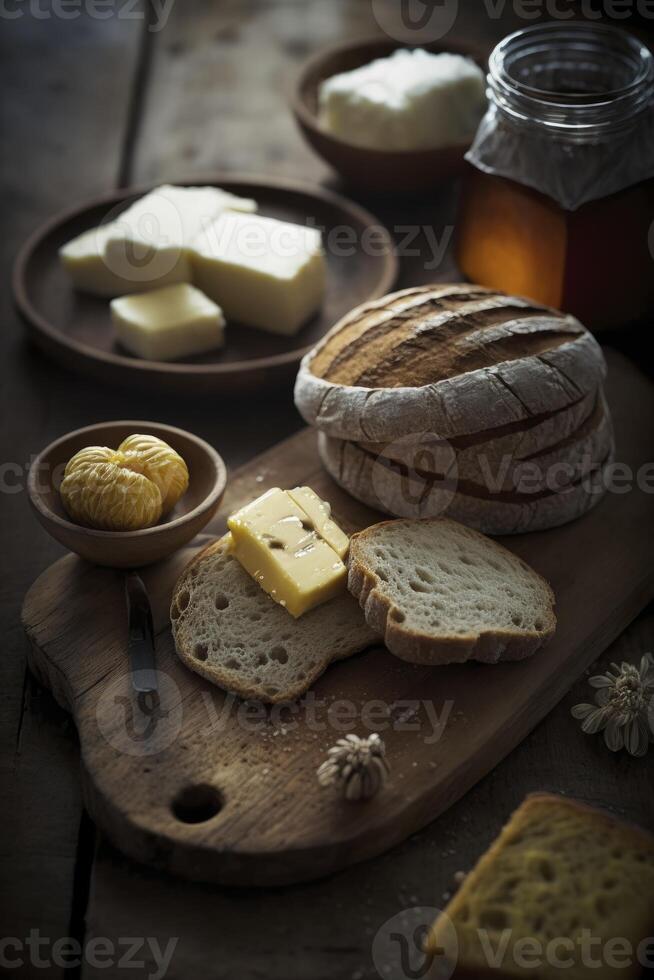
[542,381]
[421,647]
[520,439]
[387,490]
[457,921]
[499,465]
[337,630]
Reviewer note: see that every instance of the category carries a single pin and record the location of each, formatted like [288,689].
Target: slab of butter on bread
[283,540]
[558,872]
[263,272]
[227,629]
[147,245]
[439,592]
[169,323]
[319,513]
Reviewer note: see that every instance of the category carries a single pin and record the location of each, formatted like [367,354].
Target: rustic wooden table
[93,101]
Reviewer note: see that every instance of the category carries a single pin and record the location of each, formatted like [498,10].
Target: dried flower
[624,707]
[357,765]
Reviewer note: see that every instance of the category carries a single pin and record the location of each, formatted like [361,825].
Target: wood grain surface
[205,790]
[93,104]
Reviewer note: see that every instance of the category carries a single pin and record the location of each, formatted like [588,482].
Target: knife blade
[140,635]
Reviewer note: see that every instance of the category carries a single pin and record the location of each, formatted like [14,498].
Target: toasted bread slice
[559,870]
[227,629]
[439,592]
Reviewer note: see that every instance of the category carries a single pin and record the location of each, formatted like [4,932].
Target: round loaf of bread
[507,463]
[394,489]
[446,359]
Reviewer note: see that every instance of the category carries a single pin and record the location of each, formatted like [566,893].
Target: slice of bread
[439,593]
[227,629]
[392,490]
[447,359]
[558,871]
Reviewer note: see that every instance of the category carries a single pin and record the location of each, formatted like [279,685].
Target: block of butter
[320,514]
[281,546]
[147,245]
[164,324]
[264,273]
[411,100]
[84,261]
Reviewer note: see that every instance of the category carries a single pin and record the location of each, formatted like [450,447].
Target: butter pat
[319,514]
[147,245]
[149,242]
[84,260]
[412,100]
[279,545]
[164,324]
[264,273]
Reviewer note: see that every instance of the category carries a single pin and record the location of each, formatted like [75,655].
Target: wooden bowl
[127,549]
[399,171]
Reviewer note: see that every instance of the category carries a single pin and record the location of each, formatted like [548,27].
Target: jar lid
[576,81]
[571,112]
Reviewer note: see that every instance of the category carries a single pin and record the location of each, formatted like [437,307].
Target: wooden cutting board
[204,788]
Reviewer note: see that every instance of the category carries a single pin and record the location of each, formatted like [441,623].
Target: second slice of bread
[439,592]
[227,629]
[558,872]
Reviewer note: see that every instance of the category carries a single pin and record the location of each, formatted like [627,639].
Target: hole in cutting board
[197,804]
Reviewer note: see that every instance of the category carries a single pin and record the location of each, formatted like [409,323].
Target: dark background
[88,105]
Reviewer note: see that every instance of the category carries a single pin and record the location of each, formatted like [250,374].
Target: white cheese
[284,552]
[149,242]
[147,245]
[319,513]
[263,272]
[165,324]
[411,100]
[84,261]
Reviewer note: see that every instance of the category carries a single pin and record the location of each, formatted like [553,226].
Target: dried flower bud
[357,765]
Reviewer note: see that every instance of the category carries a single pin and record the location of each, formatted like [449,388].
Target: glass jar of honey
[558,204]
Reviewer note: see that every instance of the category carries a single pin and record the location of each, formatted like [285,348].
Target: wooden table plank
[56,75]
[221,77]
[219,84]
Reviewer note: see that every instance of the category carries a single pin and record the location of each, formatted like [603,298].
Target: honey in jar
[558,204]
